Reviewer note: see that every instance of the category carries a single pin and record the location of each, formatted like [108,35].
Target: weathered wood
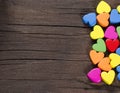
[44,47]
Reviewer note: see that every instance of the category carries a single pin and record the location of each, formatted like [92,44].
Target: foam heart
[110,33]
[103,7]
[114,17]
[96,56]
[118,76]
[112,45]
[97,32]
[90,19]
[109,77]
[103,19]
[118,31]
[115,60]
[104,64]
[118,8]
[118,51]
[99,46]
[94,75]
[118,69]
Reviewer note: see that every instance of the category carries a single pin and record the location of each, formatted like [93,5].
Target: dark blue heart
[90,19]
[118,69]
[114,17]
[118,51]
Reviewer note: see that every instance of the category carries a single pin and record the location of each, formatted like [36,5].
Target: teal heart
[118,31]
[99,46]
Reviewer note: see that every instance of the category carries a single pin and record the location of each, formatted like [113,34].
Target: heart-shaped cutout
[110,33]
[118,51]
[96,57]
[103,19]
[118,8]
[104,64]
[109,77]
[99,46]
[112,45]
[97,32]
[115,60]
[114,17]
[94,75]
[118,31]
[118,69]
[90,19]
[118,76]
[103,7]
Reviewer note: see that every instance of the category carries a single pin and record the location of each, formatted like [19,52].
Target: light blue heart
[118,51]
[90,19]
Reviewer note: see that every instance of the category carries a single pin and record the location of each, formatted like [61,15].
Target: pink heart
[110,33]
[95,75]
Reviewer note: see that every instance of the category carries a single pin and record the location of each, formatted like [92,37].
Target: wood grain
[44,47]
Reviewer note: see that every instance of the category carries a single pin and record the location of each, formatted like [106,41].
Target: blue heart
[118,76]
[118,51]
[114,17]
[90,19]
[118,69]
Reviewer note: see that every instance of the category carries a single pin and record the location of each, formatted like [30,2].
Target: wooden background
[44,47]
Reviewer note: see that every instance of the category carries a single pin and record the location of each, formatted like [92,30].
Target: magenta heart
[110,33]
[95,75]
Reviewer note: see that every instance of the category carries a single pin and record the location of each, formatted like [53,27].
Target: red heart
[112,45]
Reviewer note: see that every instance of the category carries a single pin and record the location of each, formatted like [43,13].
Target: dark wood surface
[44,47]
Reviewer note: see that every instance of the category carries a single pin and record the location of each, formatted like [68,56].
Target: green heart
[99,46]
[118,31]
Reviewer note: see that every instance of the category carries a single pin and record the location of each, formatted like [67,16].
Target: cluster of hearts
[106,32]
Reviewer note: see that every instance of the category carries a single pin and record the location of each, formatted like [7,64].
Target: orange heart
[103,19]
[96,57]
[104,64]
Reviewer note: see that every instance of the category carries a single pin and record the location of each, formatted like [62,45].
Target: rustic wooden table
[44,47]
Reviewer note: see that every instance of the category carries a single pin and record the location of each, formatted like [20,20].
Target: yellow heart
[109,77]
[103,7]
[118,8]
[115,60]
[97,32]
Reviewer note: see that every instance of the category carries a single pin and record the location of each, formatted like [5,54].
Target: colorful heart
[112,45]
[90,19]
[94,75]
[108,77]
[118,69]
[114,17]
[118,76]
[118,51]
[100,46]
[118,31]
[110,33]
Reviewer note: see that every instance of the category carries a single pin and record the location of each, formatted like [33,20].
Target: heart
[103,19]
[90,19]
[112,45]
[99,46]
[97,32]
[108,77]
[118,76]
[118,8]
[94,75]
[118,69]
[114,17]
[115,60]
[118,31]
[96,57]
[118,51]
[103,7]
[110,33]
[104,64]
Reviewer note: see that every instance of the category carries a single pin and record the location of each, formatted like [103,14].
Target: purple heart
[110,33]
[95,75]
